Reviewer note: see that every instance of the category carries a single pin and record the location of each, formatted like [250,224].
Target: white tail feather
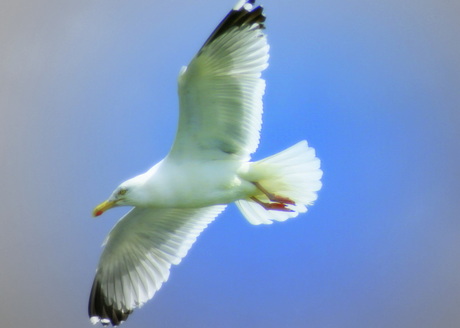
[293,173]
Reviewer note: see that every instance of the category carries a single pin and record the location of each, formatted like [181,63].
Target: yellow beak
[102,207]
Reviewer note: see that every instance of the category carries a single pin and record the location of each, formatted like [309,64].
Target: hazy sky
[88,99]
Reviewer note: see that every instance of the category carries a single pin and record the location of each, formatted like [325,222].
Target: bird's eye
[122,191]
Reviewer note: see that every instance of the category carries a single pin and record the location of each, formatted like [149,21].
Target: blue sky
[88,99]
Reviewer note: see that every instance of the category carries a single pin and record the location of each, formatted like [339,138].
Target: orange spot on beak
[102,207]
[98,213]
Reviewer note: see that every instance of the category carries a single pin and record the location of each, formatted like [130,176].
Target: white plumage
[208,167]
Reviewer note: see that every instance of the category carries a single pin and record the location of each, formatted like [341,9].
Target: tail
[293,173]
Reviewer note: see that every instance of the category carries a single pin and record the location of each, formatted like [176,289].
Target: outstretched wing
[220,92]
[137,257]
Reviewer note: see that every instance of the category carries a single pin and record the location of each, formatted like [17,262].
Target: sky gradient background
[88,99]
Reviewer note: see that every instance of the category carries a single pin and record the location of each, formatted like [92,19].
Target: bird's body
[208,167]
[195,183]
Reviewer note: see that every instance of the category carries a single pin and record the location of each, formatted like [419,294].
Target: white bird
[207,168]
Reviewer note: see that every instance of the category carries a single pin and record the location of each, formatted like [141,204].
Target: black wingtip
[100,310]
[246,14]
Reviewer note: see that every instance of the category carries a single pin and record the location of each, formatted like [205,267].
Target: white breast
[196,184]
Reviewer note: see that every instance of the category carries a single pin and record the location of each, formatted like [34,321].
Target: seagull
[208,167]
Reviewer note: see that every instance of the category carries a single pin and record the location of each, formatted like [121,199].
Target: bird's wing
[220,92]
[137,257]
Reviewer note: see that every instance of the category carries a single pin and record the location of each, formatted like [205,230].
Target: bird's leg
[273,197]
[273,206]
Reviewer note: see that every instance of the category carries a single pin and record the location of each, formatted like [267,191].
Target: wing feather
[138,254]
[220,92]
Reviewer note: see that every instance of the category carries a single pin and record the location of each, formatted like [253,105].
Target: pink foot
[281,199]
[273,197]
[273,206]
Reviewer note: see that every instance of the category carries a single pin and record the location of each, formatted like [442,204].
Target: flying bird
[208,167]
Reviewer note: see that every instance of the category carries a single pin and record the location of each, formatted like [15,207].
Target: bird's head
[121,196]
